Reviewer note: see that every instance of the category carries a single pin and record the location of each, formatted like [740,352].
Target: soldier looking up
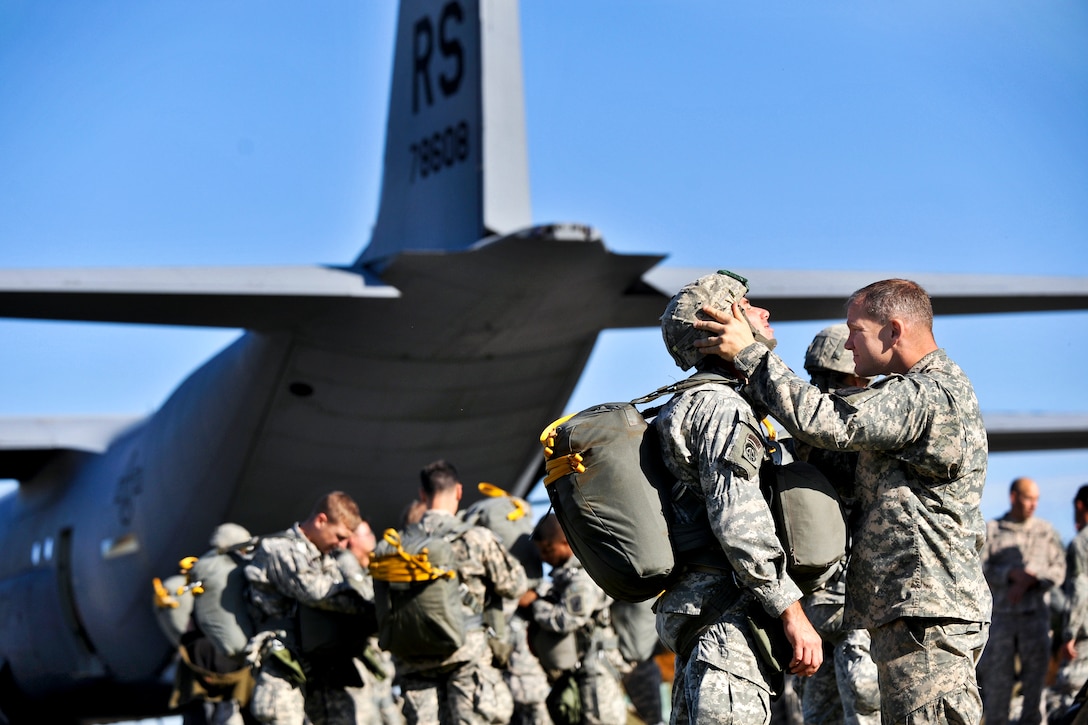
[736,574]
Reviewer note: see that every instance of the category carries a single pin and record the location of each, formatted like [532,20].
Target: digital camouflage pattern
[927,670]
[719,290]
[577,605]
[1073,674]
[921,469]
[465,687]
[917,550]
[710,443]
[1020,629]
[844,689]
[286,570]
[526,678]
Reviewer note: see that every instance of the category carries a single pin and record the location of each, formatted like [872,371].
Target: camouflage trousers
[844,689]
[600,689]
[702,694]
[526,679]
[329,704]
[926,668]
[276,699]
[472,693]
[1015,635]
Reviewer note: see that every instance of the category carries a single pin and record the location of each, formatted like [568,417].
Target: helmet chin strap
[770,343]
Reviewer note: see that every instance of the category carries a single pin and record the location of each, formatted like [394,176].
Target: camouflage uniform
[288,570]
[1020,629]
[465,687]
[577,605]
[844,689]
[711,445]
[526,678]
[915,575]
[1073,674]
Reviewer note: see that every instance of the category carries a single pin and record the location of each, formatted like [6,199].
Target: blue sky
[844,135]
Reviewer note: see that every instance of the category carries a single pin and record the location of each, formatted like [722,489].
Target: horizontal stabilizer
[822,294]
[27,444]
[258,298]
[1036,431]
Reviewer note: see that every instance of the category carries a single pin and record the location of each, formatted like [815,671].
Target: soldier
[465,687]
[845,687]
[1023,559]
[292,569]
[374,701]
[915,577]
[574,612]
[736,576]
[1073,674]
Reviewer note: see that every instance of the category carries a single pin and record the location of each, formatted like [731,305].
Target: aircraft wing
[256,298]
[822,294]
[27,444]
[1036,431]
[262,298]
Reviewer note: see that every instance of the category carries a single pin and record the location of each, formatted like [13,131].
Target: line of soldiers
[309,647]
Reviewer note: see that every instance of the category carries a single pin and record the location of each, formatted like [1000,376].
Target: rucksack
[611,493]
[220,605]
[509,518]
[809,516]
[636,630]
[417,592]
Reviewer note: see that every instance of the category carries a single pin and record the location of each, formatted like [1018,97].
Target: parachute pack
[508,517]
[212,587]
[417,592]
[611,492]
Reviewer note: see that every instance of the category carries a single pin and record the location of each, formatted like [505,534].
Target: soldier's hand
[729,332]
[808,648]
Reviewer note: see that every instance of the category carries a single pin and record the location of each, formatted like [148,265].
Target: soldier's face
[758,318]
[1024,502]
[329,535]
[870,342]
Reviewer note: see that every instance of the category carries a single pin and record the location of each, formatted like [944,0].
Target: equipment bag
[808,515]
[417,593]
[220,606]
[609,488]
[509,518]
[611,492]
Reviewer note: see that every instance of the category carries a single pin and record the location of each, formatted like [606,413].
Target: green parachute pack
[611,492]
[417,592]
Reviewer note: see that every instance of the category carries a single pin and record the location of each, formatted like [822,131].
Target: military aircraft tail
[456,166]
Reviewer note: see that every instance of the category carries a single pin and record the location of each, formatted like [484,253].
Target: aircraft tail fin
[456,164]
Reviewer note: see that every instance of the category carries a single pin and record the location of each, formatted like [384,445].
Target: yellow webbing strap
[400,566]
[493,491]
[559,467]
[186,567]
[163,600]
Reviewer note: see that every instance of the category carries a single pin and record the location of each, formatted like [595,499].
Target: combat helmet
[719,290]
[826,352]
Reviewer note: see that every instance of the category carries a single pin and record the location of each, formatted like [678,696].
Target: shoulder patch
[745,452]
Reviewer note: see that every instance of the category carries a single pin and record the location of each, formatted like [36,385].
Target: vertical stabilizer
[456,166]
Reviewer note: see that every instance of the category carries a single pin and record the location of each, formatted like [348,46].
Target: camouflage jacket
[921,469]
[1075,626]
[710,442]
[287,569]
[1034,545]
[575,603]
